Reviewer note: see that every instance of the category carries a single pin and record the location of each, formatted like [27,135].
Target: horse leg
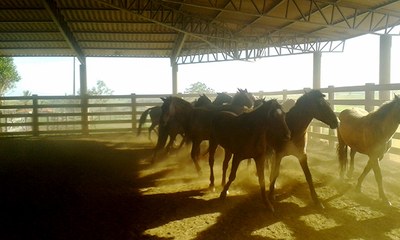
[342,155]
[232,176]
[275,166]
[366,170]
[307,173]
[260,164]
[171,142]
[211,158]
[351,169]
[378,178]
[151,128]
[195,152]
[225,164]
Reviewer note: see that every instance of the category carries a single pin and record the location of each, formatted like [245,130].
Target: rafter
[290,48]
[62,25]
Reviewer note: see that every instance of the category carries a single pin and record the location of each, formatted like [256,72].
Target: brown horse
[247,136]
[222,98]
[369,134]
[309,106]
[196,122]
[155,113]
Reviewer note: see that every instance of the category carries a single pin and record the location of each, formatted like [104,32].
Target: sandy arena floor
[104,188]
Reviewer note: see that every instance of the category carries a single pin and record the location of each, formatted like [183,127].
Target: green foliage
[8,75]
[199,88]
[100,89]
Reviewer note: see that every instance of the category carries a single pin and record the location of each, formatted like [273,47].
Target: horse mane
[382,111]
[311,94]
[241,96]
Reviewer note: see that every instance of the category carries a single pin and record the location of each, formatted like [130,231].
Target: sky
[357,65]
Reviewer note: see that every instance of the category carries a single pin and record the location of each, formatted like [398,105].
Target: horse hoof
[319,205]
[211,188]
[270,207]
[387,203]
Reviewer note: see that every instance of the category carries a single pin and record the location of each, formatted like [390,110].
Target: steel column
[317,70]
[174,78]
[385,45]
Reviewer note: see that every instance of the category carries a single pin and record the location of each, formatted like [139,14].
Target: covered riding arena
[90,182]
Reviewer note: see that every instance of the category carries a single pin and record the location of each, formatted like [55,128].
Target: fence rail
[65,115]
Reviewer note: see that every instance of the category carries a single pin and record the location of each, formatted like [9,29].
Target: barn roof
[187,31]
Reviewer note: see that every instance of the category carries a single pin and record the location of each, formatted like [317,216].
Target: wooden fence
[66,115]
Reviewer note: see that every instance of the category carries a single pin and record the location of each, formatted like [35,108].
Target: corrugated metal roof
[185,29]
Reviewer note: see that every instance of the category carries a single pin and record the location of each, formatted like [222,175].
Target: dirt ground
[105,188]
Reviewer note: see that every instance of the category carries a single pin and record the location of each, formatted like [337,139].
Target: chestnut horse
[369,134]
[247,136]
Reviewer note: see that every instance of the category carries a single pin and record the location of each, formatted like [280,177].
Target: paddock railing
[65,115]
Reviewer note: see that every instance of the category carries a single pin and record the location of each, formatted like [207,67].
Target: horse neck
[297,120]
[387,120]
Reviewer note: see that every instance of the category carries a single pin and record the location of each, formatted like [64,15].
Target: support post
[134,113]
[84,100]
[174,78]
[385,45]
[35,115]
[317,70]
[369,97]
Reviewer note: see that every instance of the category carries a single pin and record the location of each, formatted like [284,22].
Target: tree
[100,89]
[200,88]
[8,75]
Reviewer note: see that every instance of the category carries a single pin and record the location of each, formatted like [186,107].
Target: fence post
[35,115]
[84,114]
[134,112]
[369,97]
[284,95]
[331,98]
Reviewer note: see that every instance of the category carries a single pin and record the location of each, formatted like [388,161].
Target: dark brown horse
[222,98]
[196,122]
[247,136]
[369,134]
[155,113]
[309,106]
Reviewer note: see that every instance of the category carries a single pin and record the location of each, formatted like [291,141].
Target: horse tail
[342,154]
[142,119]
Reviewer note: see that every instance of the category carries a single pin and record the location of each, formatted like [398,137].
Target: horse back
[357,131]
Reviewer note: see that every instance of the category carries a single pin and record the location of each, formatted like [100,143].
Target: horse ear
[395,96]
[163,98]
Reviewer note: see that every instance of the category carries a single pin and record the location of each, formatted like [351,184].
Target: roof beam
[58,19]
[213,34]
[178,47]
[306,16]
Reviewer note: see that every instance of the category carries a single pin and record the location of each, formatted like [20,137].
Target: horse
[203,101]
[247,136]
[310,105]
[222,98]
[155,113]
[369,134]
[196,122]
[286,104]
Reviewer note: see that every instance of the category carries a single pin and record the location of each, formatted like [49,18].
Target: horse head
[315,103]
[258,101]
[222,98]
[276,120]
[202,101]
[243,99]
